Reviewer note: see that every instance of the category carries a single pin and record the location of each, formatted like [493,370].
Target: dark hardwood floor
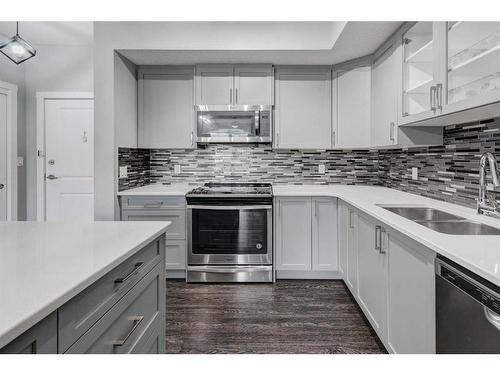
[291,316]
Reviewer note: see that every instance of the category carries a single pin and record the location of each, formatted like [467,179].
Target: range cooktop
[233,189]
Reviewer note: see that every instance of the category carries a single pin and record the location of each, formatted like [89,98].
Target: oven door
[221,235]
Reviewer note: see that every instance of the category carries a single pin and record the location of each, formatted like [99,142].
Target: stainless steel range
[230,233]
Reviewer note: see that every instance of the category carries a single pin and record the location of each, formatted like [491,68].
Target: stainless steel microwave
[233,123]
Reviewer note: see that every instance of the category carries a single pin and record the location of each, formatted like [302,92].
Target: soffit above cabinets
[282,43]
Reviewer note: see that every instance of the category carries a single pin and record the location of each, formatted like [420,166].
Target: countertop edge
[24,325]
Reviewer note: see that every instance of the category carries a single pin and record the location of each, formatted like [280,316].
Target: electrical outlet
[177,168]
[321,168]
[414,173]
[20,161]
[123,172]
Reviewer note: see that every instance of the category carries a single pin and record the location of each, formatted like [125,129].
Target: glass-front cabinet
[418,68]
[473,62]
[448,67]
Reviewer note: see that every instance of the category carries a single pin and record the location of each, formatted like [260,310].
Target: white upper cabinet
[214,84]
[253,84]
[386,81]
[303,107]
[422,74]
[222,84]
[166,116]
[352,104]
[472,64]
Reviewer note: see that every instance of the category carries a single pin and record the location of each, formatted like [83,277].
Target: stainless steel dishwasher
[467,311]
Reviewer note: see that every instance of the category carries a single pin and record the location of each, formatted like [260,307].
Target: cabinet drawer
[40,339]
[80,313]
[176,230]
[152,203]
[122,329]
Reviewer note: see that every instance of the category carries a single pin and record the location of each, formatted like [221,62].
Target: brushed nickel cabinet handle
[230,96]
[137,320]
[51,177]
[378,239]
[122,280]
[382,234]
[433,98]
[236,100]
[439,96]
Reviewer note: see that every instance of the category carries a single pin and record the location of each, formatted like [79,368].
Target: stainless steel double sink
[441,221]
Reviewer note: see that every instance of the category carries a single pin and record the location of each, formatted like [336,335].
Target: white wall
[15,74]
[54,68]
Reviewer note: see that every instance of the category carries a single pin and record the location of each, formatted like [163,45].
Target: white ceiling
[59,33]
[271,42]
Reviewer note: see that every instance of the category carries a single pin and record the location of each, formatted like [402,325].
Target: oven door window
[227,124]
[229,231]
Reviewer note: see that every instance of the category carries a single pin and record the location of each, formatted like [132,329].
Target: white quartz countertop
[480,254]
[160,190]
[44,265]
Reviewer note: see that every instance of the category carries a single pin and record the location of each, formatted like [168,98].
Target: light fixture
[17,49]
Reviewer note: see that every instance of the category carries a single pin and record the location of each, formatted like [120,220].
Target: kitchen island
[82,287]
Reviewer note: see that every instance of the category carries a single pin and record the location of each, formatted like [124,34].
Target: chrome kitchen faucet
[486,204]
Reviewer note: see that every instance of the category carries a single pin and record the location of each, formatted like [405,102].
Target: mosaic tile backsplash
[448,172]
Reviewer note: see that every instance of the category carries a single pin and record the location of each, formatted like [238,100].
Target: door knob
[51,177]
[2,186]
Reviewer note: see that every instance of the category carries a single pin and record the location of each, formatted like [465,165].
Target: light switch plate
[123,173]
[177,168]
[414,173]
[321,168]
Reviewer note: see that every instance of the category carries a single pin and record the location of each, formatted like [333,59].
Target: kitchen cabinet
[411,291]
[162,208]
[122,312]
[324,234]
[450,73]
[165,111]
[352,104]
[253,84]
[386,80]
[293,234]
[303,107]
[40,339]
[372,272]
[306,237]
[348,253]
[224,84]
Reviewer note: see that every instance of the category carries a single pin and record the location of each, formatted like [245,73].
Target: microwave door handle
[257,123]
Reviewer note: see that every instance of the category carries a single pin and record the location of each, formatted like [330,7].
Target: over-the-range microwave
[233,123]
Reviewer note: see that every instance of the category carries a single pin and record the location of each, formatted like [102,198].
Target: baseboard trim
[309,275]
[175,274]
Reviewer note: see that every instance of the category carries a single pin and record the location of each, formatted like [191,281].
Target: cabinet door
[352,107]
[303,108]
[166,116]
[214,84]
[411,315]
[293,234]
[472,64]
[40,339]
[343,234]
[386,83]
[421,72]
[372,274]
[324,234]
[253,84]
[351,277]
[175,255]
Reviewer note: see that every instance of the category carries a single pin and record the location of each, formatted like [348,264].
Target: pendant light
[17,49]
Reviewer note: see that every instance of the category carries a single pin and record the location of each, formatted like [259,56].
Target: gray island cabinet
[122,312]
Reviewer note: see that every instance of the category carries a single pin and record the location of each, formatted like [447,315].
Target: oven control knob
[258,246]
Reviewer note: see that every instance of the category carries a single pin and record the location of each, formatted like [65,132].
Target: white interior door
[3,157]
[69,160]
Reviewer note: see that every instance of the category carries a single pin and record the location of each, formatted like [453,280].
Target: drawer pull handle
[153,205]
[121,280]
[137,320]
[493,318]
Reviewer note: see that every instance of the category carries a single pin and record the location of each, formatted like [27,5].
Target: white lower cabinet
[372,273]
[392,279]
[306,237]
[411,316]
